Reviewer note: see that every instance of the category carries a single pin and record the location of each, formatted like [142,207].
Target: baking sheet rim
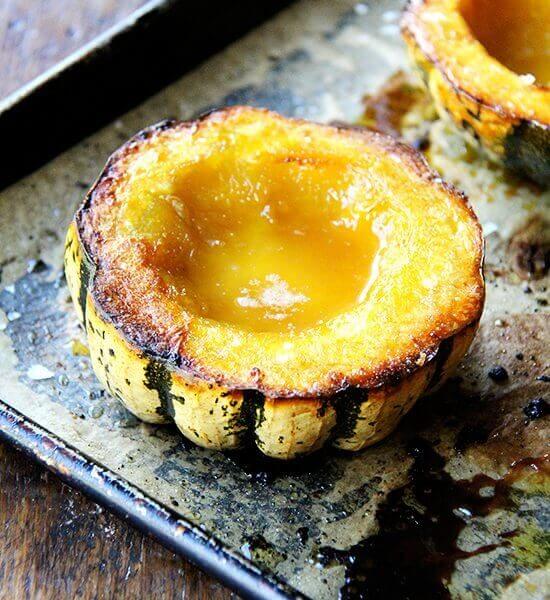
[130,503]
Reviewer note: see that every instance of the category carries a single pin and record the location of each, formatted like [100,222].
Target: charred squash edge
[157,386]
[521,144]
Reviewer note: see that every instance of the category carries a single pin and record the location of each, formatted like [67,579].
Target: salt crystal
[389,29]
[489,228]
[527,79]
[390,16]
[39,372]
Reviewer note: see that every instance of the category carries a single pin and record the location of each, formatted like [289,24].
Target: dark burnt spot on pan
[282,63]
[36,266]
[498,374]
[421,144]
[415,551]
[529,249]
[266,554]
[469,435]
[302,533]
[4,263]
[536,409]
[348,18]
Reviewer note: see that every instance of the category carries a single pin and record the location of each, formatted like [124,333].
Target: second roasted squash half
[264,279]
[487,66]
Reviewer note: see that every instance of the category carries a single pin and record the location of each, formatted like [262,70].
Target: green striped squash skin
[218,418]
[527,152]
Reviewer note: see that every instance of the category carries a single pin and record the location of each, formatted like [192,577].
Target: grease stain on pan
[45,330]
[271,97]
[415,551]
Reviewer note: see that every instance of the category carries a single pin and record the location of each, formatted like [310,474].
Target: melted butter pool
[266,247]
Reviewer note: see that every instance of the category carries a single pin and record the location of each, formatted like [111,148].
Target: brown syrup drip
[384,110]
[414,553]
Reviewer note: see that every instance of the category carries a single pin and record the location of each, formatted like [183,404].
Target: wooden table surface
[54,542]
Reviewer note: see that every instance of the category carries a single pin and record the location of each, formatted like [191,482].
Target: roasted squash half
[263,279]
[487,66]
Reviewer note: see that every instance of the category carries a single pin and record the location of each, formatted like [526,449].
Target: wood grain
[36,34]
[54,542]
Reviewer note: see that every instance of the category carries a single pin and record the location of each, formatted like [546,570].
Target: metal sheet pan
[116,71]
[283,530]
